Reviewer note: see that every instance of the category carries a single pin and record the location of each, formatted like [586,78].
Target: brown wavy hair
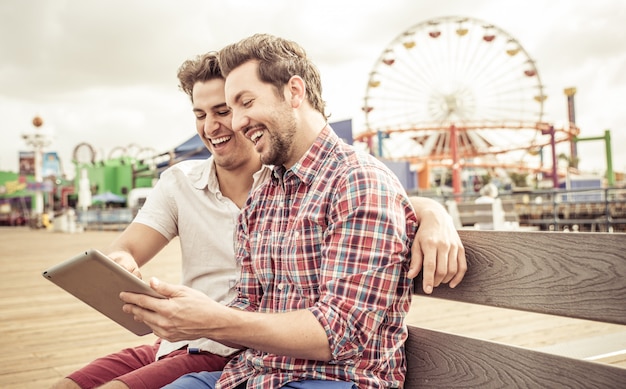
[279,59]
[204,67]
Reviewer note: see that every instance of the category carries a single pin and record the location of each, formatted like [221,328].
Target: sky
[104,72]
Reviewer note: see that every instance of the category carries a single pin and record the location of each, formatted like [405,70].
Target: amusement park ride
[458,93]
[450,94]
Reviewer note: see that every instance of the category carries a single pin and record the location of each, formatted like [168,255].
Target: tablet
[97,280]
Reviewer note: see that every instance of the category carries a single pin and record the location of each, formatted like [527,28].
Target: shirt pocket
[264,252]
[301,263]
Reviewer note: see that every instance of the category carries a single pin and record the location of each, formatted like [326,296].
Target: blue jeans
[209,379]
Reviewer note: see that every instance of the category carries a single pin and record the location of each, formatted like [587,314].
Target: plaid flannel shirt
[331,235]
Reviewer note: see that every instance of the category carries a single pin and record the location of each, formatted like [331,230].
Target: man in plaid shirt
[324,245]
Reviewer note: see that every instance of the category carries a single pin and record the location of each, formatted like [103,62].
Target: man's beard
[281,141]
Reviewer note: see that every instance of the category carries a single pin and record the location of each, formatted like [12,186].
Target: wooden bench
[499,215]
[510,211]
[577,275]
[482,216]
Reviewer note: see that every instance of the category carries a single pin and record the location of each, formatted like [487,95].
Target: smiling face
[213,123]
[261,115]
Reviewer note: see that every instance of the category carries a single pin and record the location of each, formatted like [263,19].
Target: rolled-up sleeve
[364,263]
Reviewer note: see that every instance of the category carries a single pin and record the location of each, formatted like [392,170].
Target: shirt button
[281,286]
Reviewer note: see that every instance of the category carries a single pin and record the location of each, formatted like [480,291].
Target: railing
[579,209]
[594,209]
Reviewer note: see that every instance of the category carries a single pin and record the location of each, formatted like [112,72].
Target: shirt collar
[311,162]
[204,175]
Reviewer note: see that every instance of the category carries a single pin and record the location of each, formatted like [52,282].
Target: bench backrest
[488,215]
[510,211]
[580,275]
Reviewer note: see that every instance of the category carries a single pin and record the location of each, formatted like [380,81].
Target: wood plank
[440,360]
[471,213]
[471,207]
[539,272]
[510,211]
[518,328]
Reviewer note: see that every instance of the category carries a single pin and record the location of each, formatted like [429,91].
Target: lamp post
[570,92]
[38,139]
[547,129]
[456,165]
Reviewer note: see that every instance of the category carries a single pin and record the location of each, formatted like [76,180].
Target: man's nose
[211,126]
[239,121]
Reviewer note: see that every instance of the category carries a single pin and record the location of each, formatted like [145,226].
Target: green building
[118,176]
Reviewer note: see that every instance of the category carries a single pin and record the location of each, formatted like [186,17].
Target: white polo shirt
[187,202]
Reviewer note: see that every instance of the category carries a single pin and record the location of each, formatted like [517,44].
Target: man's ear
[296,90]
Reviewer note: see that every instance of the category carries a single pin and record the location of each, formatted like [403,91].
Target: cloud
[104,72]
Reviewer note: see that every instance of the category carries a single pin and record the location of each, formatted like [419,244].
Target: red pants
[137,368]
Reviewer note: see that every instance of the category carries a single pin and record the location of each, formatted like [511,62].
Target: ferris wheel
[453,83]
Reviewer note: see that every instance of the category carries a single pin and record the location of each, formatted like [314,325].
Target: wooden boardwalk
[47,333]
